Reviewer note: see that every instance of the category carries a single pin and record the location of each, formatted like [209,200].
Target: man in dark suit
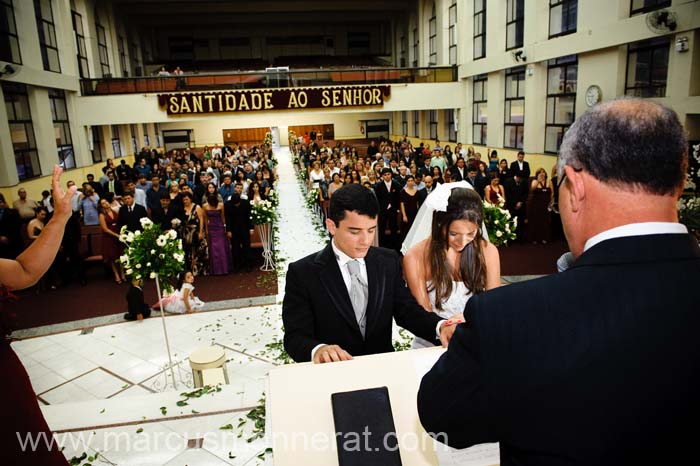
[459,171]
[597,365]
[130,214]
[95,185]
[388,194]
[521,167]
[10,235]
[112,185]
[340,301]
[517,190]
[238,226]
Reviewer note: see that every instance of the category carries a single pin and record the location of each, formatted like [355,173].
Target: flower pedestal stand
[183,376]
[265,232]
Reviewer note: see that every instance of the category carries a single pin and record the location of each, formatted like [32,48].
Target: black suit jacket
[317,308]
[524,173]
[132,220]
[456,175]
[238,217]
[389,202]
[118,188]
[597,365]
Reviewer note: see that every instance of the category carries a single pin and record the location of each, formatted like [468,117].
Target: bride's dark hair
[463,204]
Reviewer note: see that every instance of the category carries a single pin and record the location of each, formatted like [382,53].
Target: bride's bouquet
[500,224]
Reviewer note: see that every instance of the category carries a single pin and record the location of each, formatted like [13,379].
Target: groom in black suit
[597,365]
[340,302]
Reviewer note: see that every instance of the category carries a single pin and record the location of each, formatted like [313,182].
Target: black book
[365,431]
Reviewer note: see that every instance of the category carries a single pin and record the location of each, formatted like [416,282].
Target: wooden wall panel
[328,130]
[248,136]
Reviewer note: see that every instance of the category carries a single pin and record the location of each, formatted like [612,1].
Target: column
[535,106]
[496,108]
[8,170]
[43,128]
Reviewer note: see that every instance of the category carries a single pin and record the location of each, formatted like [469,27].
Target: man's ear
[577,190]
[330,225]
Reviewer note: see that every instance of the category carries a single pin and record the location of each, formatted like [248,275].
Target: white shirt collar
[343,258]
[636,229]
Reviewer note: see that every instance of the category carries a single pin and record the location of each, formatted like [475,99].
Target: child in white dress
[183,300]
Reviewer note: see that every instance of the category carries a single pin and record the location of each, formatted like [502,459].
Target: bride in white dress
[455,260]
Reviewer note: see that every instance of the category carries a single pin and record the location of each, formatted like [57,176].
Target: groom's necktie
[358,295]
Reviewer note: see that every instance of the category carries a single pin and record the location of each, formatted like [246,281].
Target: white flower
[137,277]
[162,256]
[123,237]
[124,259]
[161,240]
[130,237]
[153,275]
[129,271]
[179,244]
[153,251]
[145,222]
[175,222]
[499,233]
[172,233]
[148,264]
[137,233]
[138,266]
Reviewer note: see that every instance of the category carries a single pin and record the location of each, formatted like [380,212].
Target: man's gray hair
[628,142]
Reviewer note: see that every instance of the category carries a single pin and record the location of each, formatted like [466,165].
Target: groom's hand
[447,329]
[331,353]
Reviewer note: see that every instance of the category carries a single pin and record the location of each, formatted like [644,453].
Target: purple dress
[219,247]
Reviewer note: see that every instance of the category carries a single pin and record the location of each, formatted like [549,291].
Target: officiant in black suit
[130,214]
[596,365]
[341,301]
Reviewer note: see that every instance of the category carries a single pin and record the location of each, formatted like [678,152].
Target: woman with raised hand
[21,404]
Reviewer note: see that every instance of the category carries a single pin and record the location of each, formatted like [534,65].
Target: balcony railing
[261,79]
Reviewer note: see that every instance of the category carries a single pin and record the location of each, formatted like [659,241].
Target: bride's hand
[457,318]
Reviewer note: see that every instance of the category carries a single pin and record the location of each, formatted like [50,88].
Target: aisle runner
[297,237]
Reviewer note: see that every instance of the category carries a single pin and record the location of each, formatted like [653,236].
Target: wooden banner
[273,99]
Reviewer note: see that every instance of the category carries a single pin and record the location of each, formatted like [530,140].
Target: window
[451,130]
[562,74]
[156,129]
[19,118]
[645,6]
[121,43]
[404,123]
[146,139]
[116,147]
[47,35]
[479,111]
[432,38]
[9,43]
[562,17]
[515,108]
[96,146]
[138,71]
[83,68]
[433,124]
[479,29]
[134,139]
[61,127]
[415,48]
[416,123]
[402,52]
[102,48]
[515,15]
[647,67]
[452,32]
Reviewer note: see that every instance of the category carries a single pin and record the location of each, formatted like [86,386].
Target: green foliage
[500,225]
[262,213]
[150,252]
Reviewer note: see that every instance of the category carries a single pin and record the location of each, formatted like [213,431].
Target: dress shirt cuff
[437,329]
[313,351]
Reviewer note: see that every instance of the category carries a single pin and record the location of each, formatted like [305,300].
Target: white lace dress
[454,304]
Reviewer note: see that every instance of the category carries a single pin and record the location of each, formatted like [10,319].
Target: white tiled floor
[95,383]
